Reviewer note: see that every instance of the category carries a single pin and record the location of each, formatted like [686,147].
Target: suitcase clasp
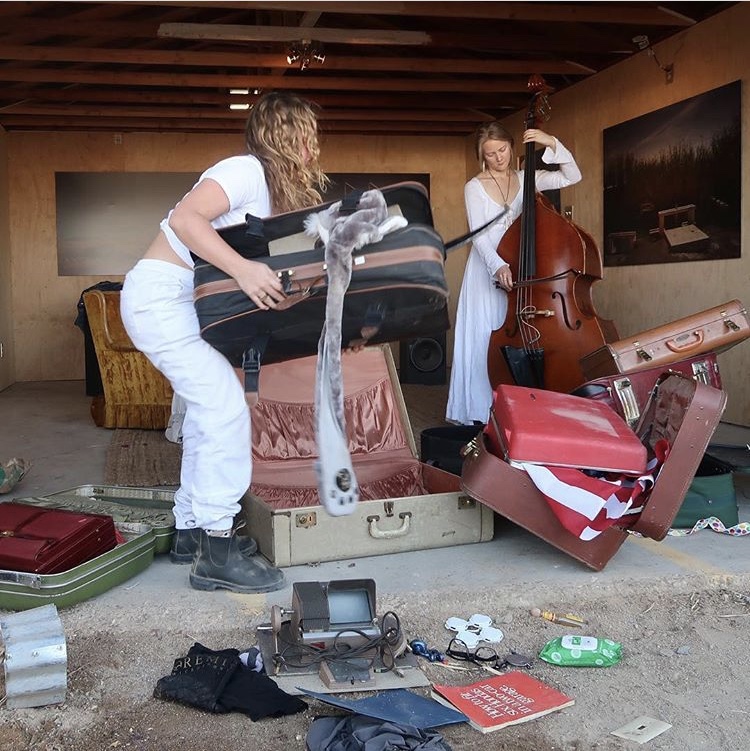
[306,520]
[641,352]
[731,325]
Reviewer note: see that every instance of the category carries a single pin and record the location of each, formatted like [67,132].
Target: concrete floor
[49,423]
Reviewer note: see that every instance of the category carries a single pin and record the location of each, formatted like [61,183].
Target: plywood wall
[48,345]
[7,370]
[705,57]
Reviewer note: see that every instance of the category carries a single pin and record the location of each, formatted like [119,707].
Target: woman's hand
[260,284]
[504,278]
[540,137]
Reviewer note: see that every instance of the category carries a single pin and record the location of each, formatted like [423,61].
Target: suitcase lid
[684,413]
[131,509]
[377,423]
[563,430]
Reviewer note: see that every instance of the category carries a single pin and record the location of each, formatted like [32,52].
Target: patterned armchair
[136,394]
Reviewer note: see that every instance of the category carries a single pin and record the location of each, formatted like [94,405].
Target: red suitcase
[712,330]
[47,541]
[628,393]
[681,411]
[545,427]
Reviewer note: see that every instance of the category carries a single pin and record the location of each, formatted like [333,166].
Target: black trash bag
[359,733]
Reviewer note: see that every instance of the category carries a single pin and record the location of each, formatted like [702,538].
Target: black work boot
[220,564]
[185,543]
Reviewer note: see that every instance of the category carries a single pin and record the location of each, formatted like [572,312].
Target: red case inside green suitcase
[48,541]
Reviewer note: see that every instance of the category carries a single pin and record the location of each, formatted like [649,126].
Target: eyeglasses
[484,655]
[458,650]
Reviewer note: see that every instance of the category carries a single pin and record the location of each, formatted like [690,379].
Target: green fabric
[713,495]
[11,473]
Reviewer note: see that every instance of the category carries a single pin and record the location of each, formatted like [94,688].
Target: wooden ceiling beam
[528,44]
[298,82]
[230,125]
[363,114]
[239,33]
[423,64]
[515,11]
[77,93]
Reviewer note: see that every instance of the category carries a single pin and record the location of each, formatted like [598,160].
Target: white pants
[159,315]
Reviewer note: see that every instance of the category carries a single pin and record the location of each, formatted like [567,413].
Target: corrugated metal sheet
[36,658]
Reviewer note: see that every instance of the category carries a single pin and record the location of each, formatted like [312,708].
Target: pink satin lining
[284,447]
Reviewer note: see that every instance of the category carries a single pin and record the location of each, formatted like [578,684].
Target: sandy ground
[685,661]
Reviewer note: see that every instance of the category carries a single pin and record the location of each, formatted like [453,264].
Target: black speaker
[423,360]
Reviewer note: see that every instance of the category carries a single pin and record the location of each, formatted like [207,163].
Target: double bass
[551,321]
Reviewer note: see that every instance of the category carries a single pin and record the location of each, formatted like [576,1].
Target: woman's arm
[191,222]
[477,214]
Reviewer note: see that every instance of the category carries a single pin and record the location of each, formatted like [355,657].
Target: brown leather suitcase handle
[687,346]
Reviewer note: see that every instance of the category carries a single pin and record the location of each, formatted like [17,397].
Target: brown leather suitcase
[713,330]
[681,410]
[48,541]
[628,393]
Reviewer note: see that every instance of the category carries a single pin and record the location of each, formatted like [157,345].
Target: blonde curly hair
[281,131]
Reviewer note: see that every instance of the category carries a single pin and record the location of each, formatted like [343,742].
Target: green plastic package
[581,652]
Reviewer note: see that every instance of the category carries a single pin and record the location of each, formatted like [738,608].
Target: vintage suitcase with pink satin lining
[405,504]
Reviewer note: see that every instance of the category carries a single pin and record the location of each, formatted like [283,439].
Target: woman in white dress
[482,306]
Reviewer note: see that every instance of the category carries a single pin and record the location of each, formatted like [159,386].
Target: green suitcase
[143,517]
[711,493]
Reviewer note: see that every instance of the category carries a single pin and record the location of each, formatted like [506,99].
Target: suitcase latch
[306,520]
[470,449]
[465,502]
[626,395]
[700,372]
[731,325]
[7,533]
[641,352]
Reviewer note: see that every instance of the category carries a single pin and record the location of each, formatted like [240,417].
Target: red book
[500,700]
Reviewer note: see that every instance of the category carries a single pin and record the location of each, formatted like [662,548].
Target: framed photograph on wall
[106,220]
[672,182]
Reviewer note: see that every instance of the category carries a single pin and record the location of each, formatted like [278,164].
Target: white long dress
[481,307]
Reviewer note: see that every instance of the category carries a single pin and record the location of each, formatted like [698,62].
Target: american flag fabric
[586,503]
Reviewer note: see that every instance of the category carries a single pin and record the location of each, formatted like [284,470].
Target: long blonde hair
[281,127]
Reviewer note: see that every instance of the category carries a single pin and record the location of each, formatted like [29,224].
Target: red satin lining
[284,447]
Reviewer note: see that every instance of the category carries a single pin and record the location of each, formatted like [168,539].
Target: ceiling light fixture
[643,43]
[305,53]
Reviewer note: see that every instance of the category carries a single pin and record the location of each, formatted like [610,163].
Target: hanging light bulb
[294,54]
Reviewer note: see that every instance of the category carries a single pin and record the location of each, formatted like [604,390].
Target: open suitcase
[628,393]
[681,410]
[404,505]
[713,330]
[143,518]
[397,289]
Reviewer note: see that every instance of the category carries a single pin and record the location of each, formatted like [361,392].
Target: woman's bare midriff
[161,250]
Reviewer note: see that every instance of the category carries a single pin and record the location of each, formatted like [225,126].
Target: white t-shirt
[243,180]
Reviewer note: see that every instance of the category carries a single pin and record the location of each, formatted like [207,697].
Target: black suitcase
[397,290]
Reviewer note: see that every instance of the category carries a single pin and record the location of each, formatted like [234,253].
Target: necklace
[507,192]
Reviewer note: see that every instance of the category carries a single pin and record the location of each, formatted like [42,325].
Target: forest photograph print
[672,182]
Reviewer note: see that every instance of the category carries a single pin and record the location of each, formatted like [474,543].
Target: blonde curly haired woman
[280,172]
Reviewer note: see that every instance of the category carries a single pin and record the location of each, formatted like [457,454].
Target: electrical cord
[294,655]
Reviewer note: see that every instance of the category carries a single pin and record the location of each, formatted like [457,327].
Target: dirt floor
[685,661]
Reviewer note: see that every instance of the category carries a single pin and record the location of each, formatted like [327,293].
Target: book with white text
[501,700]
